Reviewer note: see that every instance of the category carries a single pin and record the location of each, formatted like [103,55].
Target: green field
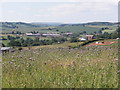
[74,28]
[63,45]
[78,29]
[86,67]
[109,31]
[0,71]
[103,26]
[25,29]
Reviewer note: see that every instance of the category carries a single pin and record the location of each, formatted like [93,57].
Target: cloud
[69,11]
[78,8]
[108,1]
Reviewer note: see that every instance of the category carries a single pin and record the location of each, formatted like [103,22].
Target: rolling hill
[23,27]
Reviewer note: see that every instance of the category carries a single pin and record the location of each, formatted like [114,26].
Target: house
[89,37]
[5,49]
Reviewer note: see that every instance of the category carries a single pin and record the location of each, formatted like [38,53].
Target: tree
[118,32]
[13,32]
[14,43]
[10,37]
[57,30]
[100,31]
[73,39]
[17,37]
[3,45]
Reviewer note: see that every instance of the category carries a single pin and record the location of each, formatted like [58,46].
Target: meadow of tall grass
[86,67]
[0,71]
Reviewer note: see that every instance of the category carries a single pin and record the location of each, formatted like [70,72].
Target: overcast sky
[63,11]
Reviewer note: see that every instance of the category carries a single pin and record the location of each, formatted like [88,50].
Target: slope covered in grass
[87,67]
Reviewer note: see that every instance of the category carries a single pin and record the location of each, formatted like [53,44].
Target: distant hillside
[47,23]
[100,23]
[77,29]
[20,24]
[91,23]
[91,27]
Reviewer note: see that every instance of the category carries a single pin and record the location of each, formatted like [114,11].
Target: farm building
[5,49]
[69,33]
[89,37]
[31,34]
[82,39]
[51,35]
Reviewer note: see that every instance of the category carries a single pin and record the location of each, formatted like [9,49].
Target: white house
[51,34]
[31,34]
[82,39]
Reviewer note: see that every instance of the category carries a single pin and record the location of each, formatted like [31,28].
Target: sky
[62,11]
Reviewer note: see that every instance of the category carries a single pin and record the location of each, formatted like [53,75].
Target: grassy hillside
[63,45]
[27,29]
[77,29]
[8,27]
[87,67]
[73,29]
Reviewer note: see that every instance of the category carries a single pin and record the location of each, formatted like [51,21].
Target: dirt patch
[102,43]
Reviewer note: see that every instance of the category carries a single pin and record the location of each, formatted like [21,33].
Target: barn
[5,49]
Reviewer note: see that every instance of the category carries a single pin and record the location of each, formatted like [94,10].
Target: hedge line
[90,41]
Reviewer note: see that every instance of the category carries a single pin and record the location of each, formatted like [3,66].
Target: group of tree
[34,32]
[107,35]
[12,38]
[34,42]
[16,32]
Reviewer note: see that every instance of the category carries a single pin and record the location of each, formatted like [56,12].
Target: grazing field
[109,31]
[73,29]
[78,29]
[63,45]
[86,67]
[0,71]
[8,27]
[103,26]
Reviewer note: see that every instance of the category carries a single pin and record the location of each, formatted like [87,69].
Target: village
[48,35]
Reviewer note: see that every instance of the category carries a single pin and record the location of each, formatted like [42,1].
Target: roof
[4,48]
[83,39]
[51,34]
[89,35]
[30,34]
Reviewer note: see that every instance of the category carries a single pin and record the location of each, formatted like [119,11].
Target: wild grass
[0,71]
[87,67]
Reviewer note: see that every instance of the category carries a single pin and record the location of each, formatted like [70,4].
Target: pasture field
[73,29]
[0,71]
[109,31]
[5,42]
[63,45]
[27,29]
[103,26]
[8,27]
[78,29]
[86,67]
